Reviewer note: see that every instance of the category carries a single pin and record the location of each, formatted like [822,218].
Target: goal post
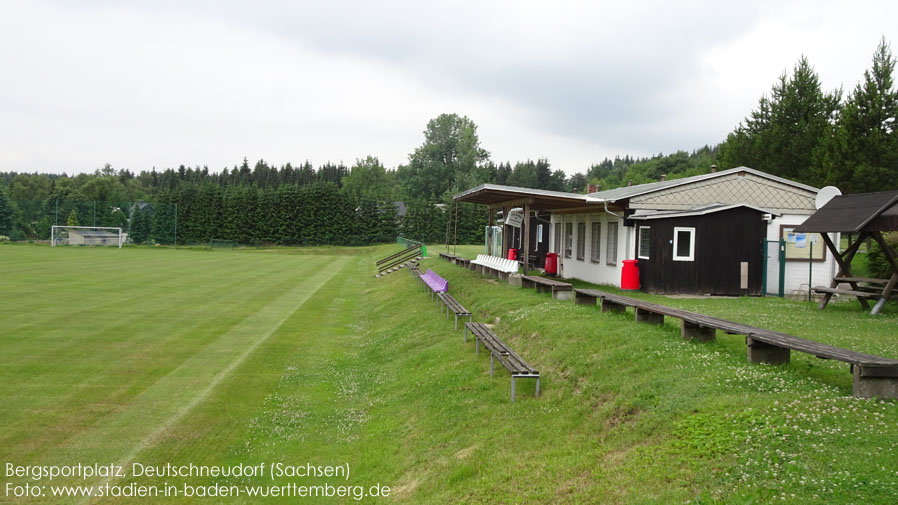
[86,236]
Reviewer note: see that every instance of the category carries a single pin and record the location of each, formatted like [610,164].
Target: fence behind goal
[86,236]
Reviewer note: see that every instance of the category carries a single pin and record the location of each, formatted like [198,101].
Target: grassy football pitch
[299,358]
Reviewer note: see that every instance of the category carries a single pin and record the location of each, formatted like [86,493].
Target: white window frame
[595,253]
[568,240]
[676,240]
[611,243]
[581,241]
[539,233]
[642,254]
[559,232]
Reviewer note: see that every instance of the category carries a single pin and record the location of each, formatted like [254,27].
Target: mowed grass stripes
[105,349]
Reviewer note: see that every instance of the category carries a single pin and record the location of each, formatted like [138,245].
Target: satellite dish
[825,195]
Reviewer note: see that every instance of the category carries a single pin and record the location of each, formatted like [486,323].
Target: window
[581,241]
[684,244]
[539,233]
[557,238]
[568,239]
[595,251]
[611,252]
[645,241]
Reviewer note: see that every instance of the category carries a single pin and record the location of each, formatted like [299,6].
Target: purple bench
[436,283]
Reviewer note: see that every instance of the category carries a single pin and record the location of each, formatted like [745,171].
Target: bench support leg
[692,331]
[644,316]
[456,321]
[491,364]
[561,295]
[512,388]
[537,387]
[476,344]
[869,385]
[609,306]
[760,352]
[581,299]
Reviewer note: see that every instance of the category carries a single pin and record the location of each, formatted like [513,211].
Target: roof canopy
[853,213]
[496,195]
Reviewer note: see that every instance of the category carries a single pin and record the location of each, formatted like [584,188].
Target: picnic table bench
[519,368]
[452,304]
[873,375]
[560,290]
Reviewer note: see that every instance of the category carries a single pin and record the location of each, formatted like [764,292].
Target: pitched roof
[851,213]
[613,195]
[697,211]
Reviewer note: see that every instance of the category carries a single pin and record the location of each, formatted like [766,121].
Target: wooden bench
[436,283]
[519,368]
[452,304]
[560,290]
[873,375]
[448,257]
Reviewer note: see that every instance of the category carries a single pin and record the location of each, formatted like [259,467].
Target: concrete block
[692,331]
[562,295]
[760,352]
[644,316]
[609,306]
[515,279]
[870,386]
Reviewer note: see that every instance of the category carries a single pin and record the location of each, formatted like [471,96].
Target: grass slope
[300,355]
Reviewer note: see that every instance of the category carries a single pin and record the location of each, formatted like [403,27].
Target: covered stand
[505,198]
[868,215]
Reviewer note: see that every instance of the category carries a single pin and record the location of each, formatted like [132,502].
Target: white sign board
[515,217]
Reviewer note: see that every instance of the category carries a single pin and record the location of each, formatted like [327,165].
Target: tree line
[798,131]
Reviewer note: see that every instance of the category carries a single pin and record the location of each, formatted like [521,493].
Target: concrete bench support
[583,299]
[692,331]
[609,306]
[644,316]
[760,352]
[870,382]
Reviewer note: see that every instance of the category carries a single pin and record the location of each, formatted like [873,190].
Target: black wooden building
[715,249]
[539,238]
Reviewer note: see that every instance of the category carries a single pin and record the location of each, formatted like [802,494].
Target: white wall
[797,273]
[586,269]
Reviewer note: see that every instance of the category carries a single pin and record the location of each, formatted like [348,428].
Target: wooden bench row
[500,352]
[560,290]
[873,375]
[516,365]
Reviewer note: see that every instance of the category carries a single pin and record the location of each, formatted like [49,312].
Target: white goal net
[87,236]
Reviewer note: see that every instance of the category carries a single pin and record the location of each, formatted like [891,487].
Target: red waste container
[512,254]
[629,276]
[552,263]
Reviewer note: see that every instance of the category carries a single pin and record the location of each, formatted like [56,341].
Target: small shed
[712,249]
[868,215]
[92,237]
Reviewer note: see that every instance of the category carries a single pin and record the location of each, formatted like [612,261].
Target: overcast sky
[142,84]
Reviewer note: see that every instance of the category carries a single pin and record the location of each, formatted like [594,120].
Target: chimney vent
[592,188]
[663,177]
[630,183]
[713,169]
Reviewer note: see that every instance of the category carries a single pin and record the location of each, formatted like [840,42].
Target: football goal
[86,235]
[217,243]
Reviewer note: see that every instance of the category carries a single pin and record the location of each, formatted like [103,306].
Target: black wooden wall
[722,241]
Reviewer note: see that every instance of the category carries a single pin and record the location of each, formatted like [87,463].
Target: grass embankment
[365,371]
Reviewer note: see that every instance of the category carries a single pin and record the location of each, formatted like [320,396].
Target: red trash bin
[629,276]
[512,254]
[552,263]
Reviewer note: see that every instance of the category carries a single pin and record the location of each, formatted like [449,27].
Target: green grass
[300,355]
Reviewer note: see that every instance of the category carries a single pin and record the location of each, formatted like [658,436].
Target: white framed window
[581,241]
[684,244]
[568,239]
[539,233]
[595,250]
[611,243]
[645,242]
